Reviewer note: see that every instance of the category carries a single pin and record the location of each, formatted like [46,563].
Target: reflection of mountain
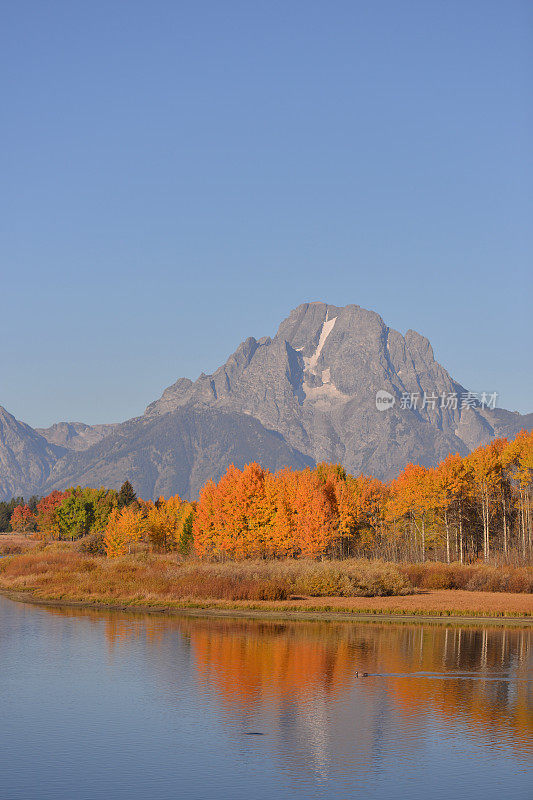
[306,672]
[296,682]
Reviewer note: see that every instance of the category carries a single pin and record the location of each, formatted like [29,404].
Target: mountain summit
[307,395]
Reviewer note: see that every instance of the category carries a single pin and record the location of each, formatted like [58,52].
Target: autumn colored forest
[465,509]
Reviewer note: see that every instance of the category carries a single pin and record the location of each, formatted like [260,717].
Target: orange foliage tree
[123,529]
[22,519]
[453,479]
[45,516]
[255,513]
[234,517]
[414,498]
[486,471]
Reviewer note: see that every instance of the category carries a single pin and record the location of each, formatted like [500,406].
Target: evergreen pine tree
[5,516]
[33,502]
[126,495]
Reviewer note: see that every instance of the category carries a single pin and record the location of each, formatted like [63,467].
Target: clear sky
[177,176]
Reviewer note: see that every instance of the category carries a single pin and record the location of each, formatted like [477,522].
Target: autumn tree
[414,496]
[233,517]
[45,515]
[167,524]
[480,503]
[486,470]
[22,519]
[452,476]
[517,458]
[360,508]
[254,513]
[124,527]
[314,508]
[424,513]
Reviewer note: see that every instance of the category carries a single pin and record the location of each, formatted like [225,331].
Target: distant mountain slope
[308,394]
[175,452]
[75,435]
[26,458]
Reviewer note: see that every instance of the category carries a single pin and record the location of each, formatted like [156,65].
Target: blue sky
[180,175]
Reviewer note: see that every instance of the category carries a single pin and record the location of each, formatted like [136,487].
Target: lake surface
[107,705]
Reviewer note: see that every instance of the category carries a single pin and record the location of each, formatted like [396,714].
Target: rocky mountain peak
[306,395]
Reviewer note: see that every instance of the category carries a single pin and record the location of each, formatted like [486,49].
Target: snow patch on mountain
[324,395]
[327,327]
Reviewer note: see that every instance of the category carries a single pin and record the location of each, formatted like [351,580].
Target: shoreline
[268,611]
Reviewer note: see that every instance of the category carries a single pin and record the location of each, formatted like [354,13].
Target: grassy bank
[470,577]
[61,573]
[16,543]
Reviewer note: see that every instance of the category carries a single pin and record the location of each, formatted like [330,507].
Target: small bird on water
[361,674]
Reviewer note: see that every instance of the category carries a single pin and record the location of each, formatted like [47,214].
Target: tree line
[466,508]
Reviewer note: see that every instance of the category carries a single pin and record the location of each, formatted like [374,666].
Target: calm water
[118,706]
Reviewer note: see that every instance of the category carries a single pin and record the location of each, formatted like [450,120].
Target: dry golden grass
[472,577]
[12,543]
[439,602]
[59,572]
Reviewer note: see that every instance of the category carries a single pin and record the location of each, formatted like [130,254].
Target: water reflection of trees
[298,679]
[474,675]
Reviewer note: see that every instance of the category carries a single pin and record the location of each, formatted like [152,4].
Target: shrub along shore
[61,573]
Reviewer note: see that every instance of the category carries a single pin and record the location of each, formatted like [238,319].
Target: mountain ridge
[307,394]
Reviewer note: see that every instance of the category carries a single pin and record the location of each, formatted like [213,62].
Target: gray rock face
[75,435]
[26,458]
[316,383]
[307,395]
[175,452]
